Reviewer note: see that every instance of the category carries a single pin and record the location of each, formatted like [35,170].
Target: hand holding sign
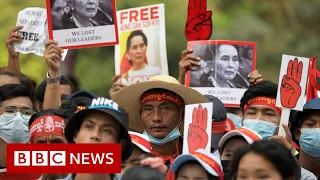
[12,38]
[53,57]
[197,135]
[290,86]
[199,23]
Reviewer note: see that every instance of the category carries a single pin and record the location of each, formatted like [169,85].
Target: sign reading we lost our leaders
[63,158]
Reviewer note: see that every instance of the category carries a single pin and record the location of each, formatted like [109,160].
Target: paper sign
[141,52]
[223,70]
[79,24]
[292,82]
[33,21]
[64,54]
[197,127]
[199,23]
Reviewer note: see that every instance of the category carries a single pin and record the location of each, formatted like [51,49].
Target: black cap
[108,107]
[82,93]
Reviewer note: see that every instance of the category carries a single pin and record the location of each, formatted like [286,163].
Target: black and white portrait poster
[224,69]
[82,23]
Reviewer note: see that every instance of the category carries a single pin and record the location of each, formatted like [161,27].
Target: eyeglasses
[11,111]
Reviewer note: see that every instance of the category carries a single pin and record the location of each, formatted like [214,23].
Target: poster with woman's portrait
[224,68]
[82,23]
[141,52]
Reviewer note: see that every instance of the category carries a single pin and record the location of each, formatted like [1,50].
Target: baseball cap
[106,106]
[210,162]
[141,141]
[249,135]
[82,93]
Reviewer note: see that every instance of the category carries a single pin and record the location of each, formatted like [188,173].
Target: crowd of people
[147,119]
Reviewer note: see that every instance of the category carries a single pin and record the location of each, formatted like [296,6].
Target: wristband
[53,80]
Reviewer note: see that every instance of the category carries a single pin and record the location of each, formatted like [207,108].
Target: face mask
[174,134]
[14,130]
[309,141]
[236,119]
[265,129]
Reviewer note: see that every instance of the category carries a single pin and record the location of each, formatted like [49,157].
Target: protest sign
[33,21]
[199,23]
[292,86]
[224,69]
[141,52]
[197,127]
[312,87]
[74,24]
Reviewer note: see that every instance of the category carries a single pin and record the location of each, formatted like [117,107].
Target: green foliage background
[278,26]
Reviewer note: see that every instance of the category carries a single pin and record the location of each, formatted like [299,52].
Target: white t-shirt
[146,71]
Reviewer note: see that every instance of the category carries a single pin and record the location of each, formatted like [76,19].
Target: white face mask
[14,130]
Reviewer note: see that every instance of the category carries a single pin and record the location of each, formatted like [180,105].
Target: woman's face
[85,8]
[255,166]
[227,60]
[192,172]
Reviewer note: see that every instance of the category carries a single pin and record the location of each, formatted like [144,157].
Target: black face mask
[226,164]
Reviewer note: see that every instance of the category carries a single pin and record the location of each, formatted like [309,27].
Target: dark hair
[9,91]
[142,173]
[192,163]
[136,33]
[13,72]
[42,88]
[263,88]
[54,112]
[75,82]
[276,153]
[71,106]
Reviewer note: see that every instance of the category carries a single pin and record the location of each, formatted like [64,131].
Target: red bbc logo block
[39,158]
[63,158]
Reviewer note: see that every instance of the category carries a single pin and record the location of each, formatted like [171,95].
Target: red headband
[47,125]
[165,96]
[211,162]
[267,101]
[222,126]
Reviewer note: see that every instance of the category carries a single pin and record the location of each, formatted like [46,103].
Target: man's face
[134,159]
[5,79]
[227,62]
[65,90]
[98,127]
[262,112]
[310,121]
[51,139]
[138,50]
[160,118]
[231,147]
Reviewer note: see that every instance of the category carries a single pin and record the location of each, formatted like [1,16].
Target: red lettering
[133,15]
[154,13]
[39,157]
[22,156]
[54,158]
[123,16]
[144,14]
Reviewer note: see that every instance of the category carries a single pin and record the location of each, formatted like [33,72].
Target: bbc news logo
[63,158]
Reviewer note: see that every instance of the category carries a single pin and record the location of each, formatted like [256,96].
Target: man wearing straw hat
[156,109]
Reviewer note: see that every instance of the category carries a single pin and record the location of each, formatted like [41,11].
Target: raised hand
[199,23]
[290,89]
[187,62]
[197,135]
[53,56]
[116,86]
[12,38]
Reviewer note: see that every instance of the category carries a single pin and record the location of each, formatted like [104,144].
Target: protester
[9,75]
[308,134]
[100,123]
[13,37]
[265,159]
[142,173]
[197,165]
[136,53]
[47,127]
[16,108]
[231,142]
[140,150]
[156,109]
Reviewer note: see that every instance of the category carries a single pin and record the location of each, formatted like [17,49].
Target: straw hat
[129,97]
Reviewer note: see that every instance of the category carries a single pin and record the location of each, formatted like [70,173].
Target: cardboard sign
[292,82]
[33,21]
[223,70]
[197,127]
[199,23]
[141,52]
[75,24]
